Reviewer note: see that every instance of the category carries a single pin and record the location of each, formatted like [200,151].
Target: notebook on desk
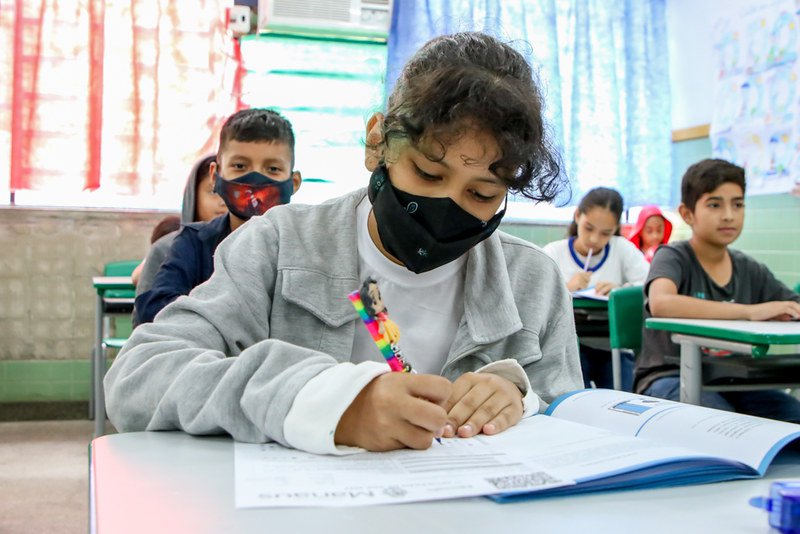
[589,293]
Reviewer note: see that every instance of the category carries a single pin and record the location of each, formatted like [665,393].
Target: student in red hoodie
[652,229]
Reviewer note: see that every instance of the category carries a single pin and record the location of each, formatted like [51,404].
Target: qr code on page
[513,482]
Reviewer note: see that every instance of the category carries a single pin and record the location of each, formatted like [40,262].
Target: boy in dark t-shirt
[703,279]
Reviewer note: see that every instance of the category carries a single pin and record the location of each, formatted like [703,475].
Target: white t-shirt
[432,301]
[620,263]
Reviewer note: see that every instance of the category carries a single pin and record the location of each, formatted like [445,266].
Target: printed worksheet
[272,475]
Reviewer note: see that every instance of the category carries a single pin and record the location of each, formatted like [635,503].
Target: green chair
[625,321]
[797,288]
[120,268]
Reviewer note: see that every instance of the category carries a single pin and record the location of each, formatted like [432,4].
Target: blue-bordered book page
[606,439]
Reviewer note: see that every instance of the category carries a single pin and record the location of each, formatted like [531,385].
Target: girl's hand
[784,310]
[395,411]
[604,288]
[579,280]
[482,402]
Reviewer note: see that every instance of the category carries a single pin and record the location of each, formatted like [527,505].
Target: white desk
[748,337]
[172,482]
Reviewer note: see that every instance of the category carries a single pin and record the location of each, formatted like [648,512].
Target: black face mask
[423,232]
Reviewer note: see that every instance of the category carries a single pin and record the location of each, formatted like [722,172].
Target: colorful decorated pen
[369,305]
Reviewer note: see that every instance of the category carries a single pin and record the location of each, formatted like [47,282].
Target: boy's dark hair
[599,197]
[254,125]
[471,81]
[707,175]
[167,225]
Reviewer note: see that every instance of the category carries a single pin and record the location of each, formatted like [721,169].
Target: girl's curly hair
[472,82]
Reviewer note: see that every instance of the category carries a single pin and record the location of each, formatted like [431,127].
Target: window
[328,89]
[108,104]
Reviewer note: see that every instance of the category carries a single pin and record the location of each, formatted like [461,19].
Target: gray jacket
[232,356]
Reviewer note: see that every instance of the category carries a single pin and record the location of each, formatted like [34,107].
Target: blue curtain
[603,69]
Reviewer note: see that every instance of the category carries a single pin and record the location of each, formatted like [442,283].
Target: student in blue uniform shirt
[596,255]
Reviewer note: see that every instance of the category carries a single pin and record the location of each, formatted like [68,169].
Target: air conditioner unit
[337,18]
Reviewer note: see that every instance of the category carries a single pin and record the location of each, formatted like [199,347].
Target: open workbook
[590,440]
[605,439]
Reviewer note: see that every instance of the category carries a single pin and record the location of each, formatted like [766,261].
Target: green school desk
[747,337]
[102,305]
[176,483]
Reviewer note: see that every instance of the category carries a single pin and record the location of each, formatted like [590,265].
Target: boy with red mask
[253,171]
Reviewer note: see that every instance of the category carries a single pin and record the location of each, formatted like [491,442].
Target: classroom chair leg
[99,398]
[91,386]
[616,369]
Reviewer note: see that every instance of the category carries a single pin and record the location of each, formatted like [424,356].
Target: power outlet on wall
[239,20]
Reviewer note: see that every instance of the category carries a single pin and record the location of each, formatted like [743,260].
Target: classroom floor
[44,473]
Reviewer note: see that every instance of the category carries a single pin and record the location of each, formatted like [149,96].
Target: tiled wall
[772,234]
[44,380]
[47,259]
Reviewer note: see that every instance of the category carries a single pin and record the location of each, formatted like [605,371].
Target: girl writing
[271,349]
[595,255]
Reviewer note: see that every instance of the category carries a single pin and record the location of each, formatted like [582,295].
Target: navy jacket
[189,263]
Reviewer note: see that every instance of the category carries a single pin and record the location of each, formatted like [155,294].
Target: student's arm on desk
[176,373]
[664,301]
[208,365]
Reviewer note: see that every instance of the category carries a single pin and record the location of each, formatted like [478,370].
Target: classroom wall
[772,222]
[691,62]
[46,299]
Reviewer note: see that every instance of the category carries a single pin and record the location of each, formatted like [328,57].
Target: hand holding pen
[581,279]
[425,412]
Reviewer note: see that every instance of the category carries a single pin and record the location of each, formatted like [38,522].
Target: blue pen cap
[783,505]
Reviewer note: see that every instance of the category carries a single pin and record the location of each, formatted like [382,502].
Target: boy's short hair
[256,125]
[707,175]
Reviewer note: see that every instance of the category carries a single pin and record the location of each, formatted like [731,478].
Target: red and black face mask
[253,194]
